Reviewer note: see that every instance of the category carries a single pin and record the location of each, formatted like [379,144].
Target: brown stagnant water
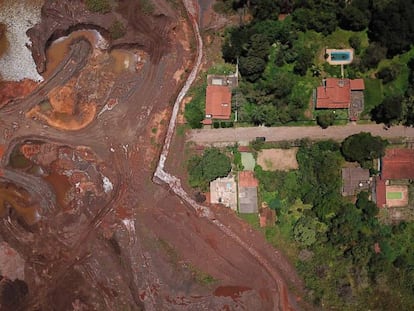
[4,44]
[61,187]
[60,47]
[122,60]
[59,183]
[20,202]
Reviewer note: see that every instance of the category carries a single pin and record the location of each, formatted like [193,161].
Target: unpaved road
[246,134]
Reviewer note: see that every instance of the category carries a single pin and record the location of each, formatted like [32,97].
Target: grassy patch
[98,6]
[147,6]
[201,277]
[251,219]
[181,129]
[117,30]
[222,69]
[372,95]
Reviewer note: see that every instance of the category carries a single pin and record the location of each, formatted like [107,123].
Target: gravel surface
[19,16]
[243,135]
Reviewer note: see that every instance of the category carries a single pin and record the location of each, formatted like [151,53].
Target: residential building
[224,191]
[337,93]
[354,180]
[218,97]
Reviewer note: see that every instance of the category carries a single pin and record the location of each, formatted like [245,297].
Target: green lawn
[372,95]
[394,195]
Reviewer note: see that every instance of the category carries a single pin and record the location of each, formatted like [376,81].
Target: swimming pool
[341,56]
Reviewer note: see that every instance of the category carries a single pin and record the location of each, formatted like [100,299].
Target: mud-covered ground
[83,226]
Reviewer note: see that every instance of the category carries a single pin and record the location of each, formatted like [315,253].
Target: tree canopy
[392,25]
[390,111]
[363,148]
[204,169]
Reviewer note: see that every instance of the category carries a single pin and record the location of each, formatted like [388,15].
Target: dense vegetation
[281,62]
[204,169]
[349,260]
[363,148]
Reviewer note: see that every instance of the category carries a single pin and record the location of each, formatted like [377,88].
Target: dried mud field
[278,159]
[83,226]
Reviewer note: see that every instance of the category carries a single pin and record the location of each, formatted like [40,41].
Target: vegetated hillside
[281,57]
[347,257]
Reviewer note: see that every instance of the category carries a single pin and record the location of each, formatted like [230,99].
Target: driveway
[243,135]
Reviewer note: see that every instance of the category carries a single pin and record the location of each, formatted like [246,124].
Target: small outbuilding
[224,191]
[354,180]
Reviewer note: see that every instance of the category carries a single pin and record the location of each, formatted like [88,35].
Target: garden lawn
[372,95]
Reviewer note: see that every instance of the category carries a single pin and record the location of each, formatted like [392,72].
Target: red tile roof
[357,85]
[218,102]
[207,122]
[247,179]
[398,164]
[336,94]
[244,149]
[380,192]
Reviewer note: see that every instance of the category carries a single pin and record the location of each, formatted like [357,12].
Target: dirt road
[246,134]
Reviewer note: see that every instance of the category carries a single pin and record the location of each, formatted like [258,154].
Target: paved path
[246,134]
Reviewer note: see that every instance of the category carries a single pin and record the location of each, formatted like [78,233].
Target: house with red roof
[342,93]
[396,165]
[218,97]
[218,103]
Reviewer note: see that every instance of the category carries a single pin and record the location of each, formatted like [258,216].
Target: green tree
[390,111]
[363,148]
[392,26]
[194,114]
[368,208]
[409,113]
[251,67]
[352,18]
[307,229]
[303,62]
[325,119]
[373,55]
[355,43]
[206,168]
[388,74]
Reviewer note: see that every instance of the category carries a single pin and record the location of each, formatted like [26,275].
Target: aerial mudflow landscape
[206,155]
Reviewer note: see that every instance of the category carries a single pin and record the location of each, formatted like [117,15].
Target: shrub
[117,30]
[98,6]
[146,6]
[325,119]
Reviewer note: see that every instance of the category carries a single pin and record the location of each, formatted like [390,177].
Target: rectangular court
[396,195]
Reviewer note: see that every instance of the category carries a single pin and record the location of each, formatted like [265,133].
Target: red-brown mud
[105,237]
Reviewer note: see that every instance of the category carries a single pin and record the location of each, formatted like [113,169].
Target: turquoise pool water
[341,56]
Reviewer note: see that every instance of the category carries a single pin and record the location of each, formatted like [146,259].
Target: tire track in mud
[161,176]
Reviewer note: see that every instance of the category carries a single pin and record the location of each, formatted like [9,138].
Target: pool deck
[340,62]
